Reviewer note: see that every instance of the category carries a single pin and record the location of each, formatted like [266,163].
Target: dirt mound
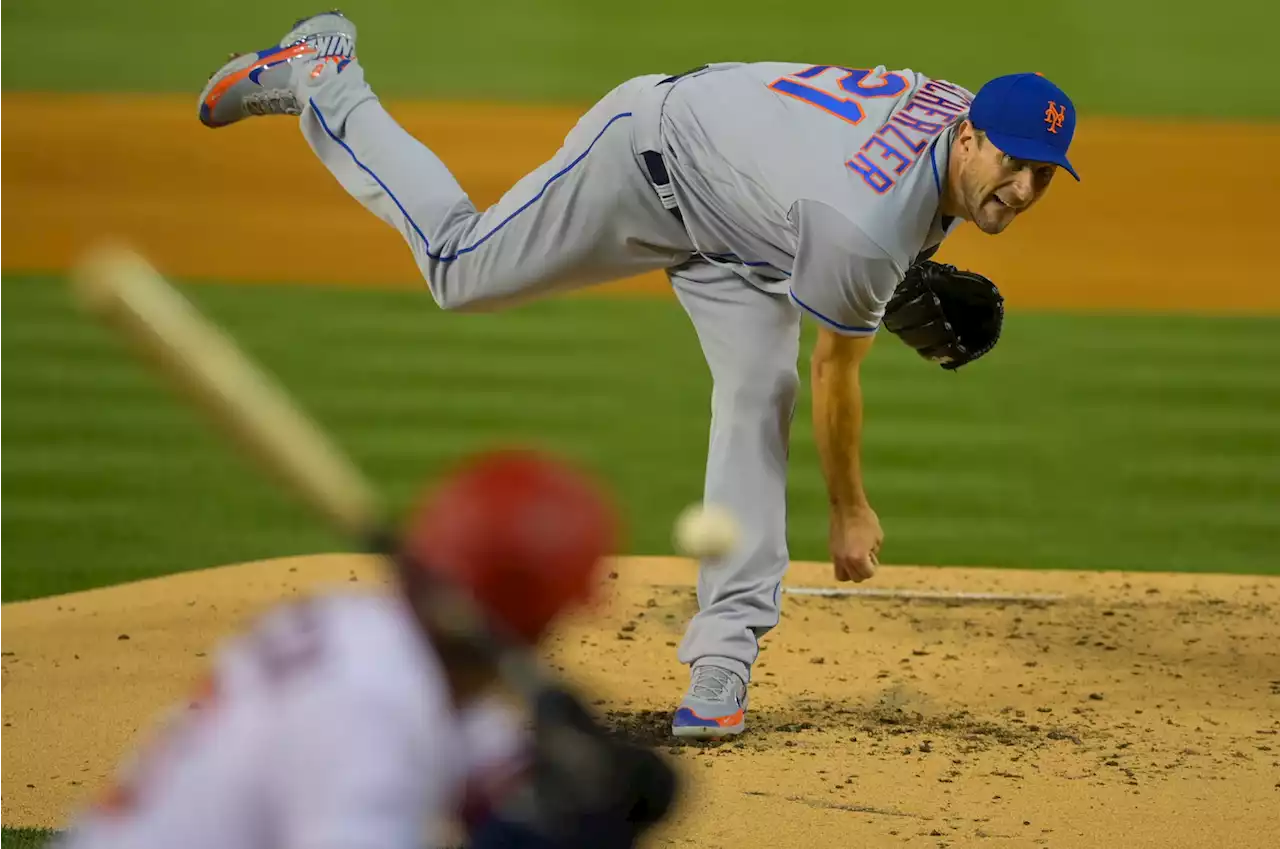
[1073,710]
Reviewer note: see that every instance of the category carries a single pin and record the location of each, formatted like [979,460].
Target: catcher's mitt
[948,316]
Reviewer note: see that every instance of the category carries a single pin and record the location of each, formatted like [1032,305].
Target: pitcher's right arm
[842,280]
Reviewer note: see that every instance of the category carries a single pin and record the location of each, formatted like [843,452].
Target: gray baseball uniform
[765,190]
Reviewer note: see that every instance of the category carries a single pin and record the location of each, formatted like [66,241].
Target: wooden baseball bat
[120,287]
[124,290]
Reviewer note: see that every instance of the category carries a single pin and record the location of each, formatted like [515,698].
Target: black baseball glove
[586,788]
[948,316]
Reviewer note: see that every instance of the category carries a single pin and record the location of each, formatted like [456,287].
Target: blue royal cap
[1027,117]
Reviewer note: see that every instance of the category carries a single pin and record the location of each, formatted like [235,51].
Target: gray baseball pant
[589,215]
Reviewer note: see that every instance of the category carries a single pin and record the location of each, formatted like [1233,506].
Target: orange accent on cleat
[732,719]
[275,58]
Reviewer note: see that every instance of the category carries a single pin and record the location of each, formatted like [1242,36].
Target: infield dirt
[1132,710]
[1170,216]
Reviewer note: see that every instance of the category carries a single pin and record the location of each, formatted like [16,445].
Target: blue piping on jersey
[847,328]
[741,261]
[542,191]
[937,181]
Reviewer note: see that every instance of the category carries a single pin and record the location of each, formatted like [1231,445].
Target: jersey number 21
[838,90]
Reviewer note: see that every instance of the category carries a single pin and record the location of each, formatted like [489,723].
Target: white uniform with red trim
[329,724]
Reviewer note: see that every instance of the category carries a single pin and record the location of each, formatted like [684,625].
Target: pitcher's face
[995,188]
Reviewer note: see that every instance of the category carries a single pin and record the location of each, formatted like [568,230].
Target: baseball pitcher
[767,192]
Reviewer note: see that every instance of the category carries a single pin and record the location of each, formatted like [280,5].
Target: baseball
[705,530]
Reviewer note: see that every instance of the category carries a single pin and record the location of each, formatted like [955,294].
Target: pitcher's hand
[855,542]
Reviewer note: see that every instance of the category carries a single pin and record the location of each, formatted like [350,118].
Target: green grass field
[24,838]
[1082,442]
[1112,57]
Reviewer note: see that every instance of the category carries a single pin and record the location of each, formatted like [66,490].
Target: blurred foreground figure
[350,720]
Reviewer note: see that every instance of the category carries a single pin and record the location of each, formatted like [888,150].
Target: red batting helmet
[523,532]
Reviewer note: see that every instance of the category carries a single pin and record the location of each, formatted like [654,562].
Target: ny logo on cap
[1054,116]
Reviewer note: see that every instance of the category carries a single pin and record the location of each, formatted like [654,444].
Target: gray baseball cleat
[714,706]
[265,82]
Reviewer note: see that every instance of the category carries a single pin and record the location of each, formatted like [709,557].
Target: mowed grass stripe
[1121,58]
[25,838]
[1054,447]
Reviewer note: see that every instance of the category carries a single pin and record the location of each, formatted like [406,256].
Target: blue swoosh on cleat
[687,718]
[264,54]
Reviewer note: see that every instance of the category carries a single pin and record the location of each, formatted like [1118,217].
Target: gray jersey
[814,182]
[819,182]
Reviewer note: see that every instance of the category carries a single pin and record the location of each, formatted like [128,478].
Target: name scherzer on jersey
[327,725]
[835,173]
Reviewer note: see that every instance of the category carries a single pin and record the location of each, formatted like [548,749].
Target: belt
[661,180]
[657,167]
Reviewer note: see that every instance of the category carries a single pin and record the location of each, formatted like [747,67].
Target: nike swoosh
[278,57]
